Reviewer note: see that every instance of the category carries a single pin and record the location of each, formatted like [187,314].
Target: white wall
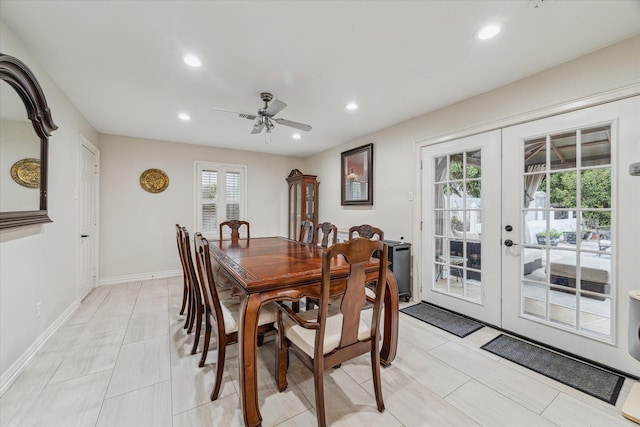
[394,147]
[38,263]
[137,229]
[396,170]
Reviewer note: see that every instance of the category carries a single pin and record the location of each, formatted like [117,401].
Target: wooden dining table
[268,269]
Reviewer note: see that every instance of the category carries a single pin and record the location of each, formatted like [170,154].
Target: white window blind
[220,195]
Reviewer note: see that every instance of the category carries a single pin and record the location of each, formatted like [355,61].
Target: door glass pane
[562,150]
[440,169]
[596,188]
[596,146]
[456,166]
[441,192]
[567,251]
[474,163]
[562,308]
[457,214]
[440,223]
[535,155]
[534,301]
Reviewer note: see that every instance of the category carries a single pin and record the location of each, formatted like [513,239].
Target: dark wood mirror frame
[21,79]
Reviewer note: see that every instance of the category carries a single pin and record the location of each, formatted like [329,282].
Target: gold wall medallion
[26,172]
[154,181]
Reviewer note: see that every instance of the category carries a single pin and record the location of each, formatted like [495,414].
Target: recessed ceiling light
[184,117]
[488,32]
[351,106]
[296,136]
[194,61]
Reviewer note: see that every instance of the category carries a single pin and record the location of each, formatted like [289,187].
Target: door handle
[509,243]
[84,235]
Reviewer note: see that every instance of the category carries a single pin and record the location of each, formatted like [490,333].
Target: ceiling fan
[265,119]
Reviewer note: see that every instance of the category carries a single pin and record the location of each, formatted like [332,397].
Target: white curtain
[532,182]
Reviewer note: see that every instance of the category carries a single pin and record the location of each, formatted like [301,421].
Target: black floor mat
[450,322]
[589,379]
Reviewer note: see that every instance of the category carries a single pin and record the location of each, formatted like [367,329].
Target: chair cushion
[231,310]
[305,338]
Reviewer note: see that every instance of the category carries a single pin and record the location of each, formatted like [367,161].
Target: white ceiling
[120,62]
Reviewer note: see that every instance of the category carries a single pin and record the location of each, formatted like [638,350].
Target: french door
[525,228]
[461,225]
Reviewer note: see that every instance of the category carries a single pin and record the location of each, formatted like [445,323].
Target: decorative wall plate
[26,172]
[154,181]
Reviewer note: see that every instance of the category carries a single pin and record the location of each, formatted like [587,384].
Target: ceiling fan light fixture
[351,106]
[269,124]
[296,136]
[184,117]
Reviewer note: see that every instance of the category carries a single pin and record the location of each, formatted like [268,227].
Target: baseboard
[138,277]
[14,371]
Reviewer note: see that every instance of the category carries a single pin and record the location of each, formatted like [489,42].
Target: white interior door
[88,214]
[461,226]
[574,217]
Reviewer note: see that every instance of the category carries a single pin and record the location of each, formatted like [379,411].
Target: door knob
[84,235]
[508,228]
[509,243]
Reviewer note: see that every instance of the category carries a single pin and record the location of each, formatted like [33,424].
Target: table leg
[391,319]
[248,330]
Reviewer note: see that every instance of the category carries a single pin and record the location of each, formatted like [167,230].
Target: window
[220,195]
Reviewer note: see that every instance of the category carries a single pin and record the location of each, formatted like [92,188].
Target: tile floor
[123,360]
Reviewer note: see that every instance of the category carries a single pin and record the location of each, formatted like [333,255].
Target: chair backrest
[190,269]
[328,230]
[356,253]
[208,282]
[180,242]
[366,231]
[306,232]
[234,225]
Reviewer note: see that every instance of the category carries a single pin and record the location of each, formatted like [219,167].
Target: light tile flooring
[123,360]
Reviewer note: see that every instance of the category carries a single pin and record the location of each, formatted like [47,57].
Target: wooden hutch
[303,201]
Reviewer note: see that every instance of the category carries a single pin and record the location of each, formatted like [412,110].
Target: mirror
[25,126]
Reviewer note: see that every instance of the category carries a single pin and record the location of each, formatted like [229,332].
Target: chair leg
[222,348]
[282,362]
[187,321]
[318,379]
[310,303]
[377,382]
[196,337]
[185,292]
[207,339]
[192,311]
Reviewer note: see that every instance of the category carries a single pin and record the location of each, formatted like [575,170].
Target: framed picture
[357,176]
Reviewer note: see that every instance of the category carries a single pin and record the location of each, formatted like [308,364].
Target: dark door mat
[589,379]
[450,322]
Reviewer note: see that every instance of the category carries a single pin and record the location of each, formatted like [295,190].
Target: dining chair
[325,337]
[196,296]
[234,225]
[306,232]
[366,231]
[328,230]
[221,315]
[185,291]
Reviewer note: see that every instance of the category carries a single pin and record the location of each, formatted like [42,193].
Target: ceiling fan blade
[274,108]
[257,129]
[293,124]
[239,113]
